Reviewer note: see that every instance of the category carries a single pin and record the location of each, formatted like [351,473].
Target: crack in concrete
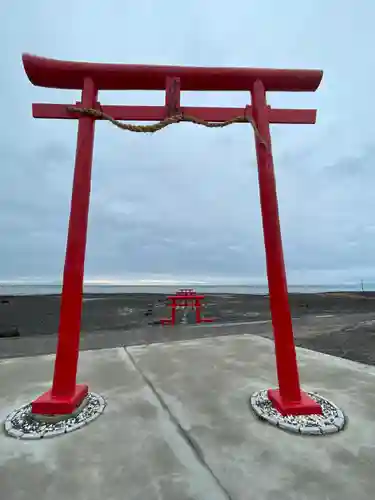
[190,441]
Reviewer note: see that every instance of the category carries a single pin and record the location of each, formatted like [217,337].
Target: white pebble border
[21,424]
[333,419]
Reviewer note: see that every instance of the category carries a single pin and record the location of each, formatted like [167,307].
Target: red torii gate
[65,395]
[185,298]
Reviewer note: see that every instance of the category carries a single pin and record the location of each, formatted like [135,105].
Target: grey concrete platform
[178,427]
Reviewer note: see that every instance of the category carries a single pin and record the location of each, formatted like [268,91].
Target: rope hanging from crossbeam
[166,122]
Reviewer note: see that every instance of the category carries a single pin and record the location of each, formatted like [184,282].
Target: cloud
[185,202]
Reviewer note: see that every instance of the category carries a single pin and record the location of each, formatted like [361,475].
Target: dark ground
[28,324]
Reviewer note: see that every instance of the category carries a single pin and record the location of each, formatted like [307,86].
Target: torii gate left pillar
[65,395]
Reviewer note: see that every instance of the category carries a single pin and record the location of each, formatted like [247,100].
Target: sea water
[40,289]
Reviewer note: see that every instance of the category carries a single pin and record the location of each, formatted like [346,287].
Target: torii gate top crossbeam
[44,72]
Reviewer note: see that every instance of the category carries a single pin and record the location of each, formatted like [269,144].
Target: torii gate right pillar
[288,399]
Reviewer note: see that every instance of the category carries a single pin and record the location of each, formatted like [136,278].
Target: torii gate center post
[66,395]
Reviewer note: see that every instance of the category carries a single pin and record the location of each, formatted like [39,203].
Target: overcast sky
[184,203]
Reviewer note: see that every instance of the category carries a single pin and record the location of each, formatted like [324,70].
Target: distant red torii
[65,394]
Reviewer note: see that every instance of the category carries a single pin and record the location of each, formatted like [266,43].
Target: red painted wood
[157,113]
[64,390]
[48,404]
[172,96]
[279,303]
[286,360]
[292,116]
[53,73]
[173,313]
[71,300]
[198,317]
[304,406]
[65,395]
[182,298]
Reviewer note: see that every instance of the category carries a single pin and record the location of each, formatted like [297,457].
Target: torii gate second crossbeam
[65,395]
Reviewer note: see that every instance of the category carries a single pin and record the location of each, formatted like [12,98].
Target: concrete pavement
[178,426]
